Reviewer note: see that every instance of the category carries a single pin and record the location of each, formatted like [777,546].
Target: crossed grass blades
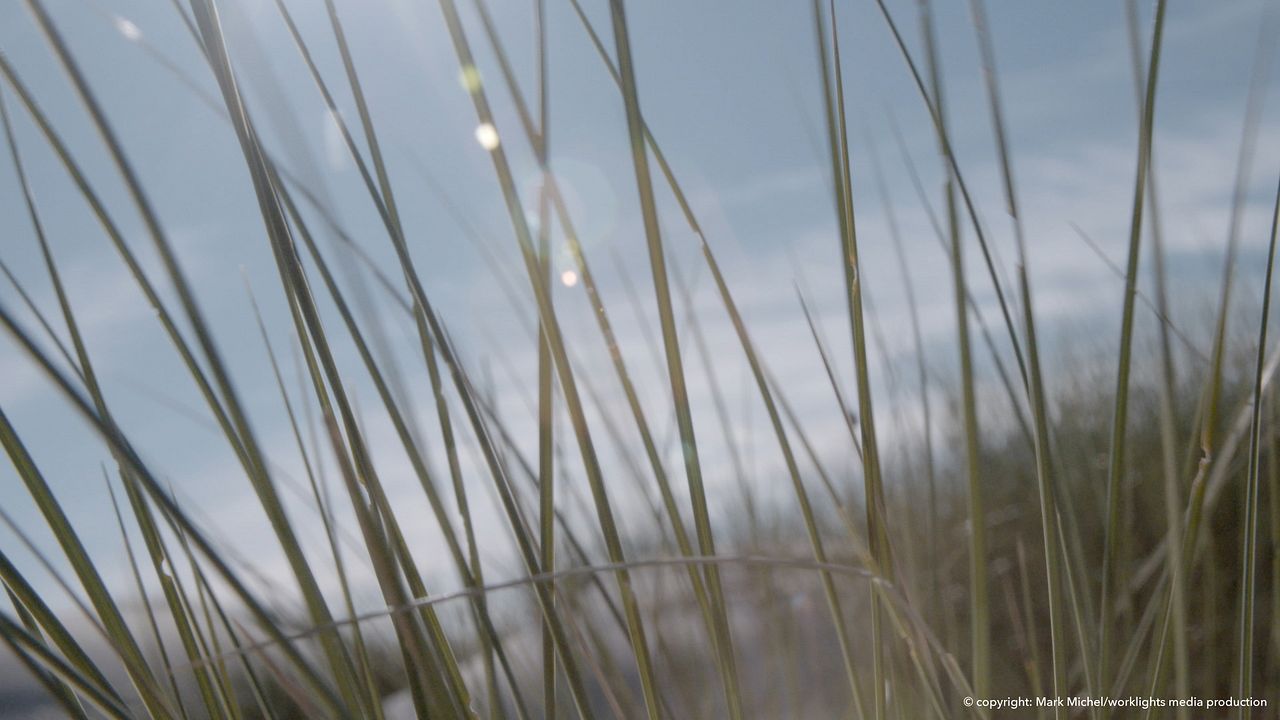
[1073,600]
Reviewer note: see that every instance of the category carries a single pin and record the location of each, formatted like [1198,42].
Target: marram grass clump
[1002,510]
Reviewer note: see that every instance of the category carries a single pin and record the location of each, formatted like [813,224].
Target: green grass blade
[87,572]
[156,636]
[56,687]
[837,139]
[922,374]
[670,339]
[1050,513]
[546,389]
[32,652]
[1120,418]
[568,386]
[34,606]
[802,496]
[979,591]
[132,463]
[1249,548]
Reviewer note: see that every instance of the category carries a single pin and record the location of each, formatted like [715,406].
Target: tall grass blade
[671,344]
[60,691]
[837,139]
[37,657]
[711,613]
[1120,417]
[568,386]
[979,593]
[1249,546]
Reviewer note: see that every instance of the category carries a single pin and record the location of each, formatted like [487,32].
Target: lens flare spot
[487,136]
[569,278]
[130,31]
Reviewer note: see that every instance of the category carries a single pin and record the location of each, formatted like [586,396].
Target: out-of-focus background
[733,94]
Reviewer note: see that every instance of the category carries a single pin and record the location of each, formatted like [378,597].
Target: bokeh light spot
[487,136]
[130,31]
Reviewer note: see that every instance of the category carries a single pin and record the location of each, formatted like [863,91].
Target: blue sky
[731,92]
